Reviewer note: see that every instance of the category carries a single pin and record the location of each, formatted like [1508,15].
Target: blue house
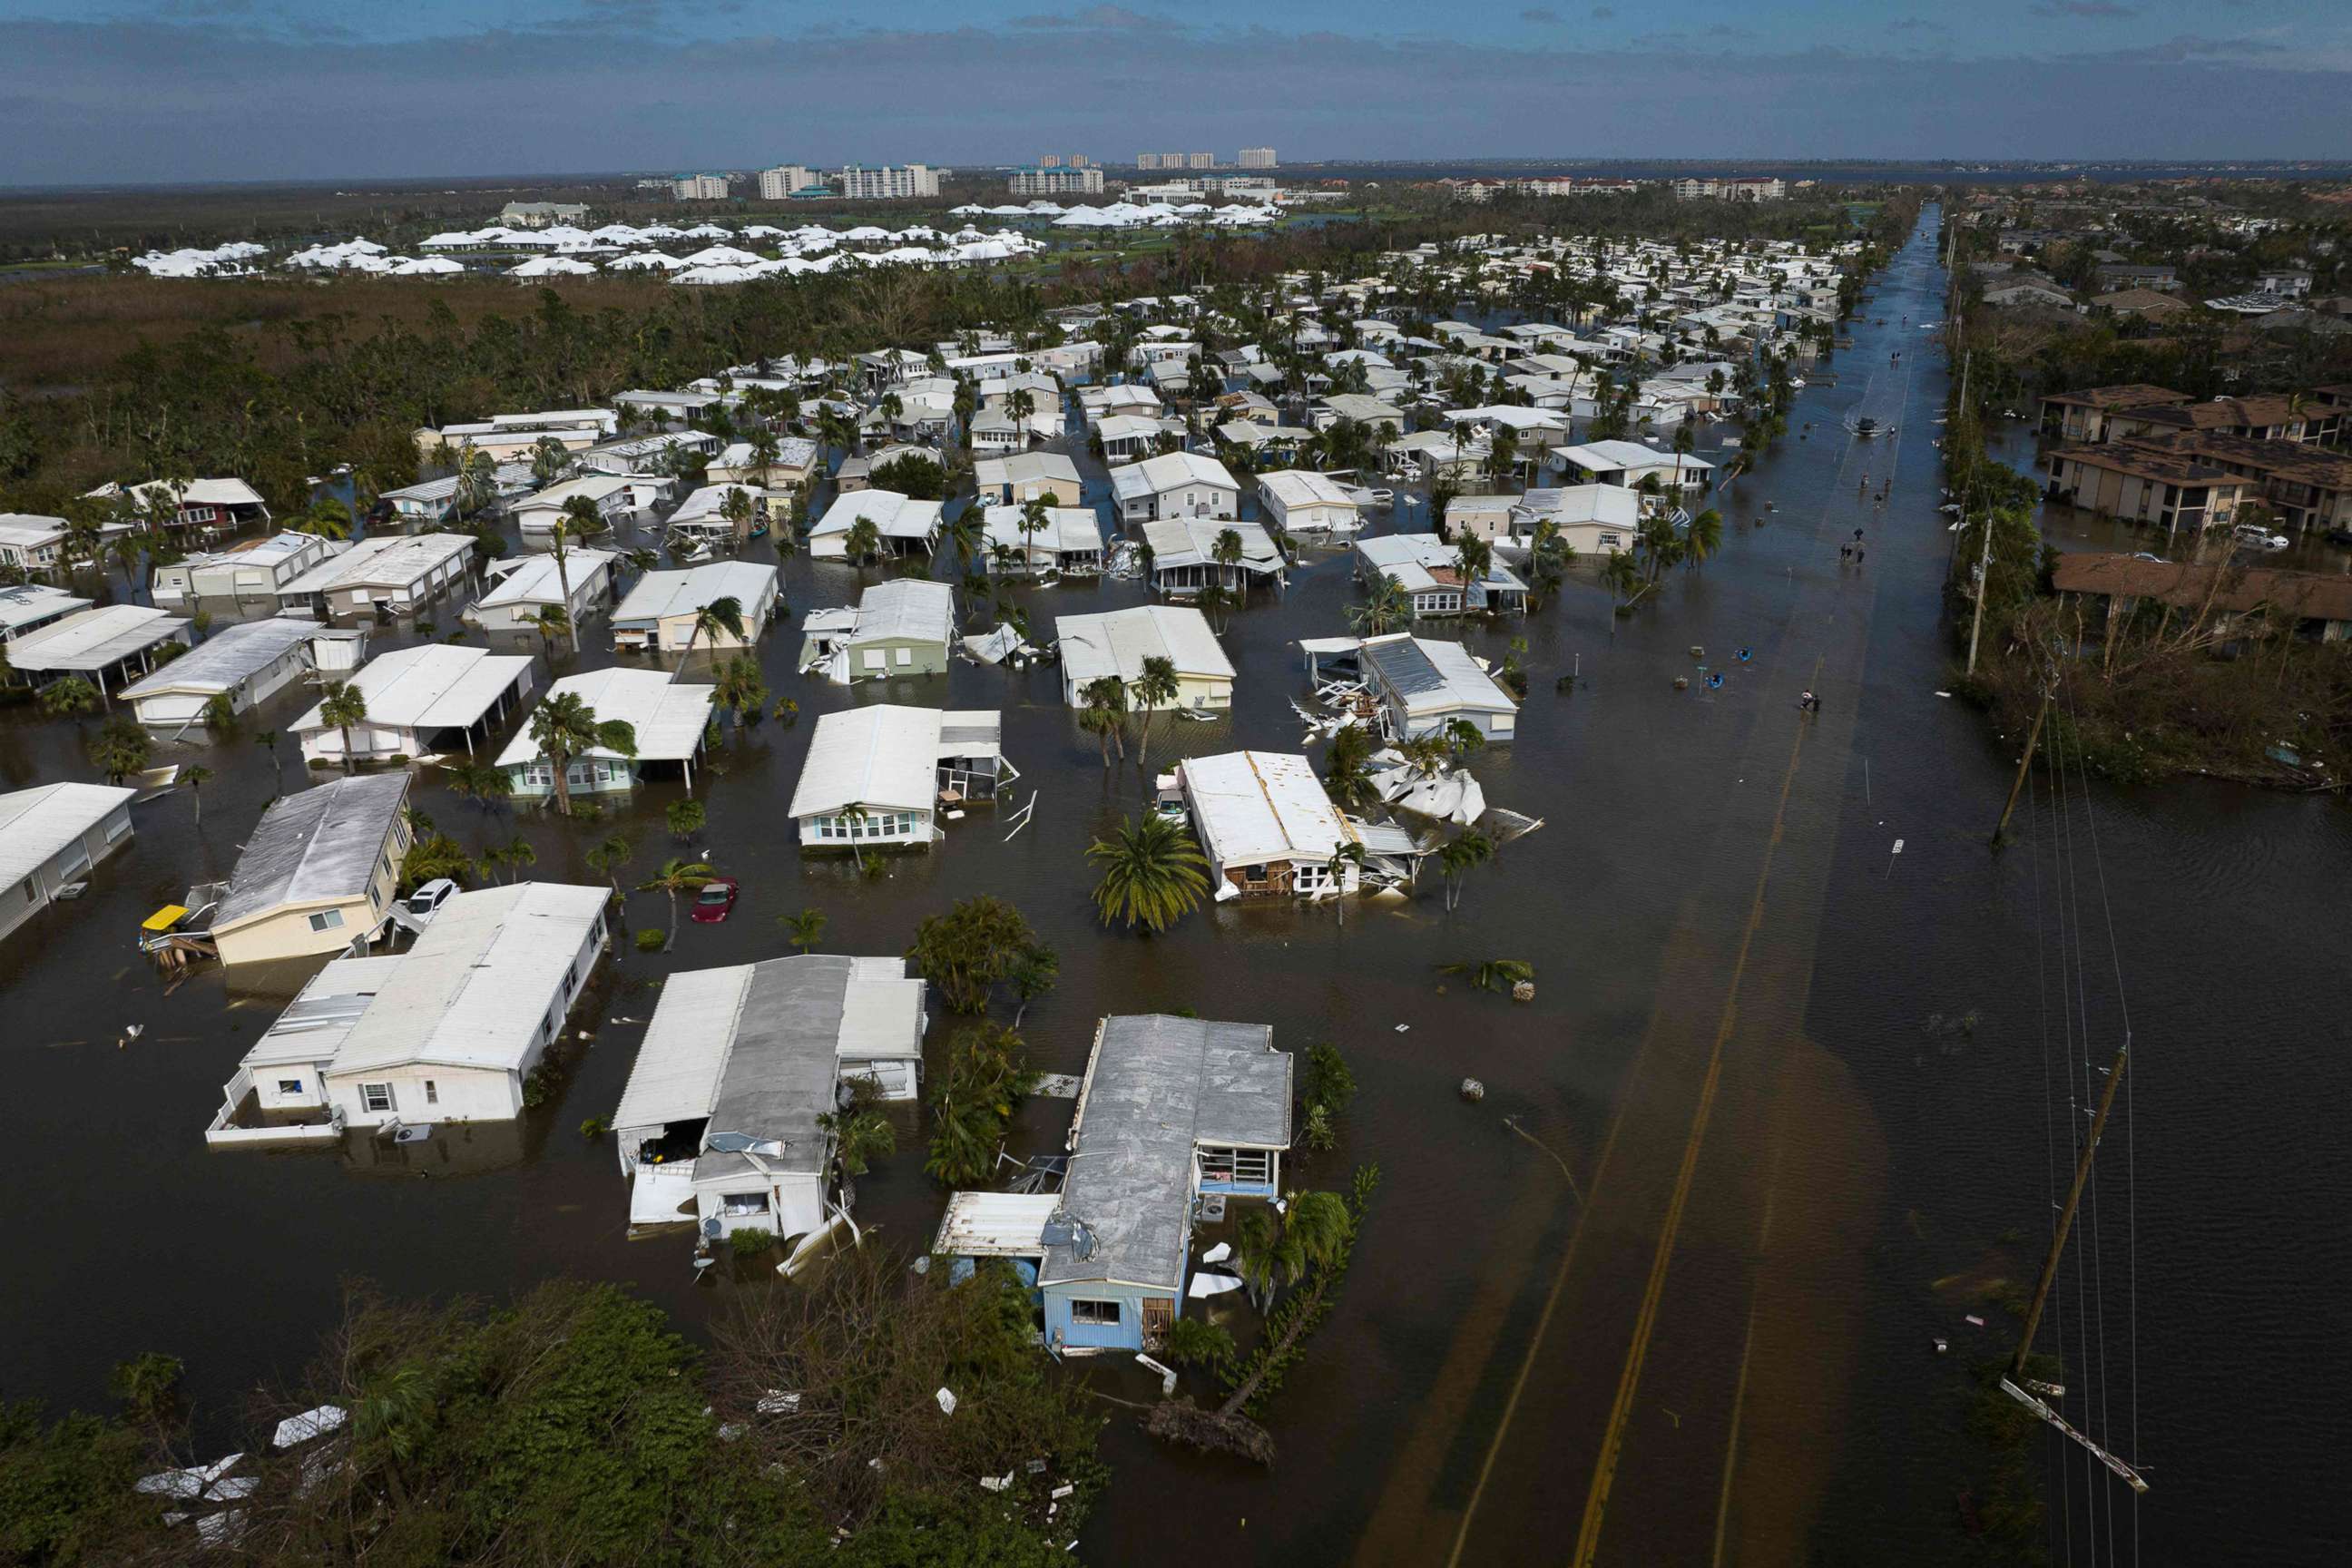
[1170,1109]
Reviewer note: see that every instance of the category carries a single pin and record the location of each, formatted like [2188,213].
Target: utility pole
[1984,575]
[2011,1385]
[2024,763]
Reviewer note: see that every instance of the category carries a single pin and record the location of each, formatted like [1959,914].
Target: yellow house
[321,871]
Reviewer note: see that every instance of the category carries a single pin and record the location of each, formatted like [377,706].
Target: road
[1674,1399]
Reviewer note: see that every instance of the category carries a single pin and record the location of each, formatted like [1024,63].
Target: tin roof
[315,844]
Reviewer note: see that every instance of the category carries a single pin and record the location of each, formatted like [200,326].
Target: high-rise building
[1255,158]
[778,183]
[1047,181]
[702,188]
[1079,160]
[1050,161]
[1146,160]
[1199,160]
[889,182]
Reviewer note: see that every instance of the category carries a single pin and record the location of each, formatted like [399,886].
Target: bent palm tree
[1152,873]
[1155,689]
[723,614]
[677,877]
[580,520]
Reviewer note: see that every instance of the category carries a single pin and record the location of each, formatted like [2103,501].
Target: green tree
[675,877]
[1458,857]
[1035,972]
[580,522]
[740,690]
[1152,873]
[195,777]
[549,621]
[563,727]
[967,951]
[342,706]
[608,855]
[120,748]
[1104,713]
[1226,551]
[1386,609]
[1348,767]
[723,617]
[972,1102]
[1704,538]
[687,818]
[69,697]
[1155,689]
[803,929]
[862,542]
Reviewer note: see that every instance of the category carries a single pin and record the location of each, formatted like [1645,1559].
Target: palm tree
[740,690]
[268,740]
[547,621]
[723,614]
[1460,855]
[327,517]
[1152,873]
[608,855]
[737,510]
[1155,689]
[1105,715]
[1212,603]
[344,706]
[194,778]
[804,930]
[1620,576]
[1705,537]
[1474,556]
[1346,854]
[1387,607]
[1226,551]
[579,520]
[1347,772]
[549,459]
[853,817]
[765,448]
[677,877]
[564,727]
[862,543]
[518,854]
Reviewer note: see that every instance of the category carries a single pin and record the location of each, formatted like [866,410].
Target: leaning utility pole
[2024,763]
[2011,1385]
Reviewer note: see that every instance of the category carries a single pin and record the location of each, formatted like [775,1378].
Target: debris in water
[947,1401]
[1473,1091]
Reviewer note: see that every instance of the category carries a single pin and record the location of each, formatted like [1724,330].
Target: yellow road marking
[1596,1502]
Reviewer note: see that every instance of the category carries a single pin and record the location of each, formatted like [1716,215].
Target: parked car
[2340,536]
[426,901]
[716,902]
[2254,536]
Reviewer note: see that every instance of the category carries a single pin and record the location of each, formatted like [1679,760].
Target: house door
[1158,1312]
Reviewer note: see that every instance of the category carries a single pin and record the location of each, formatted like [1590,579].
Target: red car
[716,902]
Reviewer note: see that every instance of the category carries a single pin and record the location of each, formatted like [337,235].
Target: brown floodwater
[1709,1338]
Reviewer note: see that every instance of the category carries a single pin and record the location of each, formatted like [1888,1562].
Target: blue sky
[201,89]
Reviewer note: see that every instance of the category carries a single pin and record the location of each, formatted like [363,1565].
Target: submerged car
[716,902]
[2254,536]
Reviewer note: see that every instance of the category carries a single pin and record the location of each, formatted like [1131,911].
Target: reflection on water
[1850,1160]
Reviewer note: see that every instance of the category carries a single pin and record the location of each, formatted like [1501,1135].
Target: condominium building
[780,183]
[889,182]
[1160,160]
[1255,158]
[703,188]
[1046,180]
[1200,160]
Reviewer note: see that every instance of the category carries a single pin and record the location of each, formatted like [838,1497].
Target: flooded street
[1665,1296]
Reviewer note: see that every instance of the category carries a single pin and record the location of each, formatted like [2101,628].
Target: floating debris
[1473,1091]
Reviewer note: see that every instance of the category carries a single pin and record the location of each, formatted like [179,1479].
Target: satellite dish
[710,1229]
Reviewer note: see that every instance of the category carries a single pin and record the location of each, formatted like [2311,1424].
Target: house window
[1241,1166]
[289,1086]
[375,1098]
[1098,1314]
[737,1206]
[116,827]
[326,920]
[874,659]
[906,656]
[431,1092]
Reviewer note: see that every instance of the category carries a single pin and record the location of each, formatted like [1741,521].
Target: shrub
[317,764]
[400,759]
[651,939]
[752,1242]
[593,1127]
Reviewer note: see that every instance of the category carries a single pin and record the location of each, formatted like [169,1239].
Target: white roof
[1117,642]
[669,716]
[677,1070]
[1304,486]
[1169,472]
[883,756]
[1192,541]
[596,486]
[535,579]
[1599,457]
[912,607]
[1255,807]
[29,530]
[203,492]
[1609,504]
[96,639]
[433,686]
[1022,468]
[478,983]
[27,602]
[314,846]
[894,516]
[1067,528]
[995,1225]
[323,1011]
[659,595]
[1433,676]
[229,656]
[390,560]
[34,824]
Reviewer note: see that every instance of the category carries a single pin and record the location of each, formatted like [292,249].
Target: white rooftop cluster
[230,260]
